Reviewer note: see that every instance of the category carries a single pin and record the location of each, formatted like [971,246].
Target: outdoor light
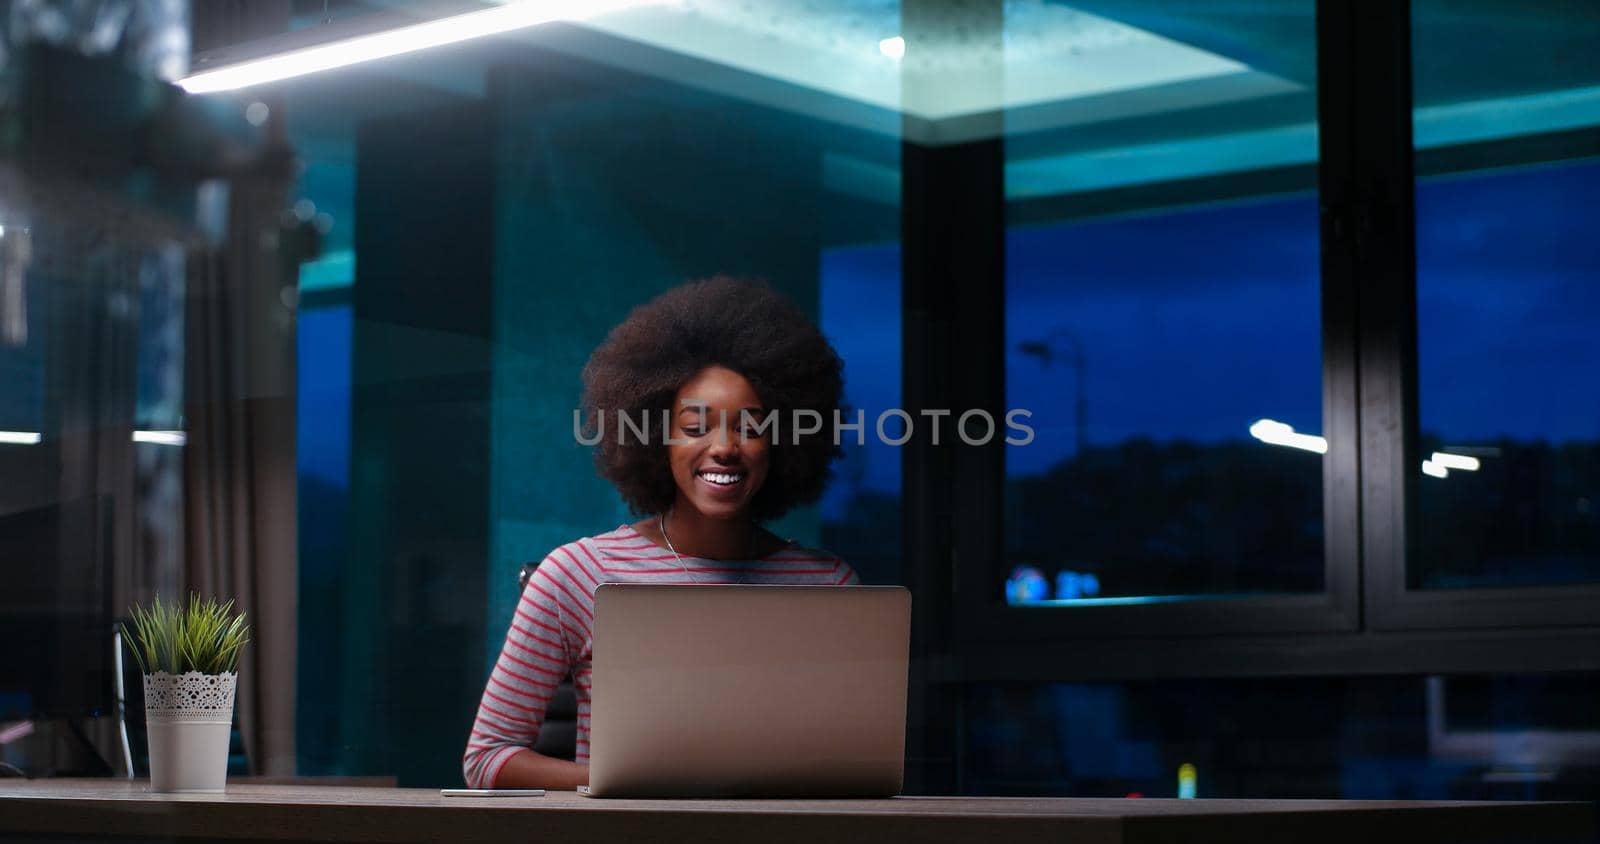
[1273,432]
[1027,585]
[1455,461]
[405,39]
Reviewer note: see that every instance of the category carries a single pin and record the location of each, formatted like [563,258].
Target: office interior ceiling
[1051,65]
[956,63]
[1091,94]
[959,62]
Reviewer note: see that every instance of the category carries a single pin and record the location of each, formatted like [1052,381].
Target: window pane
[1507,307]
[91,360]
[860,313]
[1163,314]
[487,212]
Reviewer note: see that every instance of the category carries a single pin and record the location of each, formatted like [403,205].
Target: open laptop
[748,691]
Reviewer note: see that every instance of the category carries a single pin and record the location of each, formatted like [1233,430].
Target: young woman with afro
[717,359]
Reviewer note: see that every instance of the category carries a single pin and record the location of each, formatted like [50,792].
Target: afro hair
[744,326]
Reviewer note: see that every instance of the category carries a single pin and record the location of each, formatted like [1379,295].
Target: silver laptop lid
[725,690]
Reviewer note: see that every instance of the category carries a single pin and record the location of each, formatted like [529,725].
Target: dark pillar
[953,259]
[413,628]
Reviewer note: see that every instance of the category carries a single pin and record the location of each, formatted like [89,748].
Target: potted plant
[189,656]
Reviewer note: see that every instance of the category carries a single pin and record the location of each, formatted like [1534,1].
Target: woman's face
[718,462]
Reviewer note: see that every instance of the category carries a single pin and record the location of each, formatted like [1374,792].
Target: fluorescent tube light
[161,437]
[1456,461]
[394,42]
[20,437]
[1273,432]
[1434,469]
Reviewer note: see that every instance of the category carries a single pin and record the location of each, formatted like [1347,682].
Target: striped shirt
[551,637]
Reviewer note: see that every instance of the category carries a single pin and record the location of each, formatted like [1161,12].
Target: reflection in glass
[1468,737]
[1163,308]
[1507,350]
[859,312]
[1160,350]
[488,211]
[1506,106]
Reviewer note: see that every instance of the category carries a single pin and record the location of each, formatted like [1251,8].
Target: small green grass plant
[204,636]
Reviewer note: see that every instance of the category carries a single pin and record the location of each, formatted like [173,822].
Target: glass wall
[1506,125]
[487,212]
[860,313]
[91,397]
[467,223]
[1459,737]
[1163,310]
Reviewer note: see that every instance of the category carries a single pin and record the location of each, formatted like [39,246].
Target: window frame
[980,617]
[1365,620]
[1391,417]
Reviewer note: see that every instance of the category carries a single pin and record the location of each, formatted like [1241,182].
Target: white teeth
[722,479]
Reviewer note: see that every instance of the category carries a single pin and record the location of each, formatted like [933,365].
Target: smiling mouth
[723,479]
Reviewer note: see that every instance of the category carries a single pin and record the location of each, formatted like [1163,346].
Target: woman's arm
[536,770]
[532,662]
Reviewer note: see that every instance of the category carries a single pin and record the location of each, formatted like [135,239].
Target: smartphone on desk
[491,792]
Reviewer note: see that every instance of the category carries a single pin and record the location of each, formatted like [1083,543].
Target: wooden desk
[117,808]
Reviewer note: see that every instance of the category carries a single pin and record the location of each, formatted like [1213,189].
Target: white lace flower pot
[188,718]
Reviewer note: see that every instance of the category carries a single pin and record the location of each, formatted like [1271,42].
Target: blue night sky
[860,313]
[1508,301]
[1198,322]
[324,401]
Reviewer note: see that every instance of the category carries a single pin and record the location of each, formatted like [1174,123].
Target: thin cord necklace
[661,522]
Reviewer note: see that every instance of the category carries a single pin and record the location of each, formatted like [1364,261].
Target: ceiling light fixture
[405,39]
[161,437]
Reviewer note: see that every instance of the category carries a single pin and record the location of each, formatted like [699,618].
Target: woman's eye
[693,431]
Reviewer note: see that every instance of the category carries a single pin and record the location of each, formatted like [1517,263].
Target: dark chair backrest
[558,735]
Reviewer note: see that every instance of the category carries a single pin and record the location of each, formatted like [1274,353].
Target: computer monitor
[56,657]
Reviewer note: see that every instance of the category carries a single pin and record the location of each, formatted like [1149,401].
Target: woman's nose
[724,443]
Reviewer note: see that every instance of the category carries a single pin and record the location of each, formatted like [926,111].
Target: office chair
[558,736]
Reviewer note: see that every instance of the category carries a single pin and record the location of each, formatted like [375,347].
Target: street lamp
[1064,342]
